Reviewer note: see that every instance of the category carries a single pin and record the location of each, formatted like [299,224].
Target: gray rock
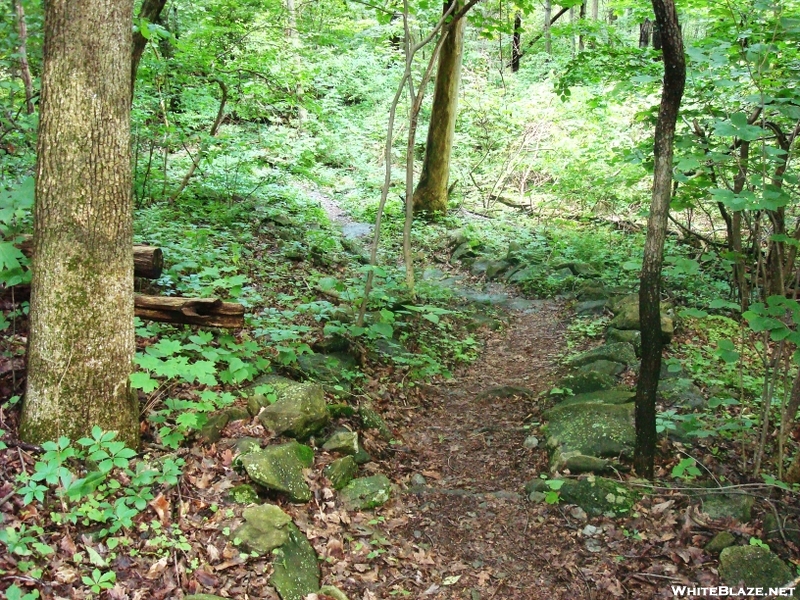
[479,267]
[495,268]
[593,291]
[580,463]
[561,274]
[532,273]
[682,393]
[722,506]
[417,479]
[366,492]
[617,352]
[719,542]
[605,367]
[599,496]
[362,457]
[531,442]
[590,307]
[299,411]
[752,566]
[342,441]
[582,382]
[329,369]
[265,528]
[579,269]
[280,468]
[295,568]
[247,444]
[341,471]
[630,336]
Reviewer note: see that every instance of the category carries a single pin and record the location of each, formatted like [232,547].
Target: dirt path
[468,444]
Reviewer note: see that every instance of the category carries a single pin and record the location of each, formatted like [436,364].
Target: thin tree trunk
[81,342]
[548,42]
[650,286]
[150,12]
[516,43]
[431,193]
[581,18]
[595,9]
[24,67]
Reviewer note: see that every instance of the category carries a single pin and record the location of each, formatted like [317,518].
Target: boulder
[280,468]
[582,382]
[617,352]
[495,268]
[298,412]
[295,568]
[343,441]
[605,367]
[587,429]
[265,528]
[752,566]
[626,311]
[630,336]
[341,471]
[366,492]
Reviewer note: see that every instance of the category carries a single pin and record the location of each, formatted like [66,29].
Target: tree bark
[81,341]
[650,284]
[595,9]
[150,12]
[431,193]
[208,312]
[548,42]
[582,18]
[24,67]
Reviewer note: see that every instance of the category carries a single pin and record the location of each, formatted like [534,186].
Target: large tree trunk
[81,342]
[431,193]
[650,290]
[24,67]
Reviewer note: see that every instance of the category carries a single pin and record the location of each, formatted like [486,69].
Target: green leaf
[382,329]
[143,381]
[693,313]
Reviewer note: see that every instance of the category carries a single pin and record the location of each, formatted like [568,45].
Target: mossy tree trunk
[650,290]
[430,195]
[81,341]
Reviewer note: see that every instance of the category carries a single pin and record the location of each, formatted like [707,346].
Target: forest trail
[467,441]
[464,464]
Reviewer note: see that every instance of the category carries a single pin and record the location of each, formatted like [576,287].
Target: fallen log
[209,312]
[148,261]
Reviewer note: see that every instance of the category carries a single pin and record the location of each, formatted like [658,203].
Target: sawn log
[148,261]
[210,312]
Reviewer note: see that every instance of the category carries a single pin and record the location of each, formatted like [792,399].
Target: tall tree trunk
[595,9]
[431,193]
[150,12]
[516,43]
[548,42]
[81,342]
[24,67]
[645,31]
[581,19]
[650,290]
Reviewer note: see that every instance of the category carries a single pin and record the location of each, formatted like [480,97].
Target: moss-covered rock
[342,441]
[626,311]
[329,369]
[295,568]
[598,496]
[366,492]
[370,419]
[619,352]
[243,494]
[777,528]
[590,307]
[719,542]
[247,444]
[211,432]
[615,396]
[341,471]
[280,468]
[680,392]
[589,429]
[752,566]
[606,367]
[629,336]
[265,528]
[299,411]
[335,593]
[582,382]
[723,506]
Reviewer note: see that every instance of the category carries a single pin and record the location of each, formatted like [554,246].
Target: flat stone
[606,367]
[615,396]
[719,542]
[582,382]
[366,492]
[342,441]
[590,307]
[295,568]
[752,566]
[280,468]
[630,336]
[599,496]
[505,391]
[616,352]
[265,528]
[722,506]
[532,273]
[341,471]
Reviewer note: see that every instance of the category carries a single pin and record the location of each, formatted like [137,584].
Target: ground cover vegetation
[434,221]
